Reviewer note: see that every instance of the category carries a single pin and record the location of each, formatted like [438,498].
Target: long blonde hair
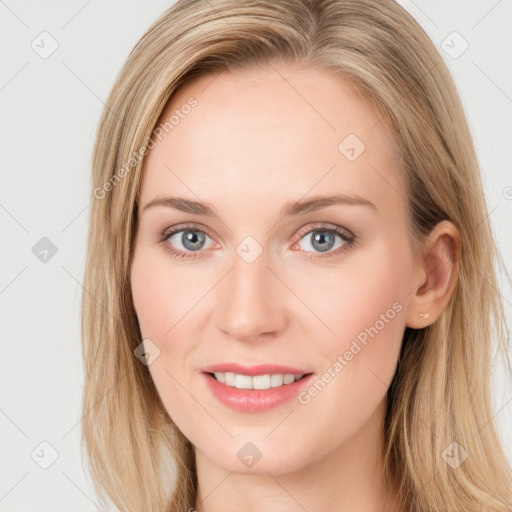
[441,392]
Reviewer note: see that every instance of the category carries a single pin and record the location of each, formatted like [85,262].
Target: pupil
[192,240]
[321,237]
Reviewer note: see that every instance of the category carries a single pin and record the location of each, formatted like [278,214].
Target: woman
[229,363]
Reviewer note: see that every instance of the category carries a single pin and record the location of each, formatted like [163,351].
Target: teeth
[257,382]
[276,380]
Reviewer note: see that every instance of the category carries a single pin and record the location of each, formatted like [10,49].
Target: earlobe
[440,263]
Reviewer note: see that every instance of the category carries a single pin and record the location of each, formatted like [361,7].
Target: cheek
[161,294]
[161,302]
[152,302]
[367,290]
[367,317]
[363,317]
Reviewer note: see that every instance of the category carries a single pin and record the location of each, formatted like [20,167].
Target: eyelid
[346,235]
[183,227]
[303,231]
[326,226]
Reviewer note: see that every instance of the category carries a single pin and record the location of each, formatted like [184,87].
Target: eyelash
[345,235]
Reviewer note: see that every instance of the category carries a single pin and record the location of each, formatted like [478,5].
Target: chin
[246,459]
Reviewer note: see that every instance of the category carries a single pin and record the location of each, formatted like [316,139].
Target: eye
[322,239]
[189,241]
[185,241]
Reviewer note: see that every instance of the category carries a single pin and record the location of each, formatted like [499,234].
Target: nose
[250,301]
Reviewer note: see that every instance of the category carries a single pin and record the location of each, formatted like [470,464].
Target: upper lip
[259,369]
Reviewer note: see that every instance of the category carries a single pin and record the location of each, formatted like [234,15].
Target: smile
[268,381]
[256,393]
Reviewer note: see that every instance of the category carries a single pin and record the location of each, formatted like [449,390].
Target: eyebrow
[293,208]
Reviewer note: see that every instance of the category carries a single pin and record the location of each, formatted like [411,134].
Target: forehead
[278,130]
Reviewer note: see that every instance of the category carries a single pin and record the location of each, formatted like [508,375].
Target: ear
[436,271]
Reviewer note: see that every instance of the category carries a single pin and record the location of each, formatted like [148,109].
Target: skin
[257,139]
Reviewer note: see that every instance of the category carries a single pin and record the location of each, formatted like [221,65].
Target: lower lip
[254,400]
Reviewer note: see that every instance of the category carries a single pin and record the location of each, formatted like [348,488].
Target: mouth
[258,382]
[255,389]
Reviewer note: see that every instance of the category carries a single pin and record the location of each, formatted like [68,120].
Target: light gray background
[49,112]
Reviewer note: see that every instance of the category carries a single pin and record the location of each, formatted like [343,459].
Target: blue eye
[192,240]
[321,239]
[324,240]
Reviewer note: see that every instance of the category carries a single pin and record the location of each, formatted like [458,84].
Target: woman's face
[255,273]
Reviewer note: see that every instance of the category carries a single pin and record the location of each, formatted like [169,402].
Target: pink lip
[259,369]
[255,400]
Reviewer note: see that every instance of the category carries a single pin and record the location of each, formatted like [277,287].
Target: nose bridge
[248,304]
